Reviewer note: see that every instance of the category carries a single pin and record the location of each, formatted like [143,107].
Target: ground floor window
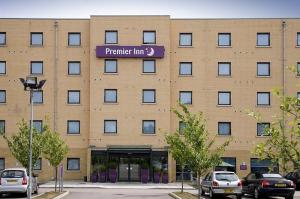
[73,164]
[2,164]
[227,164]
[187,173]
[38,164]
[258,165]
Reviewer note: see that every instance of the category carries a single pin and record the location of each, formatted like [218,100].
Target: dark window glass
[149,37]
[2,67]
[298,39]
[110,95]
[37,97]
[263,98]
[74,39]
[185,97]
[149,126]
[2,96]
[36,38]
[73,164]
[110,126]
[185,68]
[224,39]
[110,66]
[2,127]
[228,164]
[185,39]
[38,125]
[2,164]
[263,39]
[149,96]
[2,38]
[38,164]
[36,68]
[74,68]
[73,97]
[73,127]
[263,69]
[224,128]
[224,68]
[182,126]
[298,69]
[224,98]
[111,37]
[149,66]
[263,166]
[262,129]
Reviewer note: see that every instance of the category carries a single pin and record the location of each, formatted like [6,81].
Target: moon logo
[150,52]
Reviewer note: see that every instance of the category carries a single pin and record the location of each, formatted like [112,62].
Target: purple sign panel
[111,51]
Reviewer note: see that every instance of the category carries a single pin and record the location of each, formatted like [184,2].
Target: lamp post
[31,84]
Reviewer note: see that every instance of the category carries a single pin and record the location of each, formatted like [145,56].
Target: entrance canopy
[128,149]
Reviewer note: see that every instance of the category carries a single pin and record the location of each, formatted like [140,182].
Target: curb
[118,187]
[173,195]
[62,195]
[38,195]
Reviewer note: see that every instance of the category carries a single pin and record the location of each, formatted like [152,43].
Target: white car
[16,180]
[222,183]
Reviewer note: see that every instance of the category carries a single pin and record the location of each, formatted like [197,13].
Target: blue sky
[175,8]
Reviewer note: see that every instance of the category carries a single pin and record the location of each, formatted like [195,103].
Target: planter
[144,175]
[112,174]
[102,176]
[94,177]
[156,177]
[165,178]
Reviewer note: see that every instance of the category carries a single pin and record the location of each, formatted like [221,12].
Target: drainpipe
[55,75]
[283,25]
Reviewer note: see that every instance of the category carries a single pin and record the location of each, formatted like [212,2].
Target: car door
[206,182]
[248,183]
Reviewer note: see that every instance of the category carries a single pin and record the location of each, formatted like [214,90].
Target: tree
[19,144]
[54,149]
[282,145]
[195,139]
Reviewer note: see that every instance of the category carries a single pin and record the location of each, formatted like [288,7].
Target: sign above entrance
[111,51]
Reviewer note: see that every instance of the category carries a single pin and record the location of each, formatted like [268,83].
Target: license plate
[280,185]
[11,181]
[228,190]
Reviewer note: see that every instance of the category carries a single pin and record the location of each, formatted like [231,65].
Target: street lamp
[31,84]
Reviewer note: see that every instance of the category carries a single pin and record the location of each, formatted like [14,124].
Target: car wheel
[211,194]
[238,196]
[290,197]
[202,192]
[256,194]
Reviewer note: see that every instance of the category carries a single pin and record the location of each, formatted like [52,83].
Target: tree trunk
[55,178]
[182,167]
[199,185]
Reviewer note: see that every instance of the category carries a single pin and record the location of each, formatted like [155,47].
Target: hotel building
[112,81]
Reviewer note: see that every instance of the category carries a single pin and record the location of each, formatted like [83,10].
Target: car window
[209,177]
[251,176]
[226,177]
[206,177]
[297,174]
[271,175]
[12,174]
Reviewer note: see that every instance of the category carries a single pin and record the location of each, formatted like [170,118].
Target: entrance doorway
[129,169]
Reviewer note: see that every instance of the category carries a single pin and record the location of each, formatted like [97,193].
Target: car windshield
[271,175]
[12,174]
[226,177]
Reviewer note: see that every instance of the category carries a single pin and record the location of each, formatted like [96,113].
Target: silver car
[15,180]
[222,183]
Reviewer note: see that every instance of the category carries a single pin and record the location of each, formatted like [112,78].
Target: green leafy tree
[201,152]
[54,149]
[19,144]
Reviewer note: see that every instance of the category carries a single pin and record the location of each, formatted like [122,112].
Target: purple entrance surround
[111,51]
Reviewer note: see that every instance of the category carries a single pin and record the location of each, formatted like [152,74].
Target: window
[298,69]
[185,39]
[149,37]
[111,37]
[37,97]
[38,125]
[263,166]
[298,39]
[74,68]
[228,164]
[110,126]
[224,128]
[149,66]
[74,39]
[298,98]
[185,68]
[2,127]
[262,129]
[38,164]
[36,68]
[149,96]
[263,98]
[36,38]
[2,96]
[185,97]
[73,164]
[2,38]
[224,69]
[110,96]
[73,127]
[110,66]
[224,98]
[224,39]
[148,126]
[263,39]
[73,97]
[2,67]
[263,69]
[182,126]
[2,164]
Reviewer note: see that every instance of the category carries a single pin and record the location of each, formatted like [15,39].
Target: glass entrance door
[124,169]
[134,173]
[129,169]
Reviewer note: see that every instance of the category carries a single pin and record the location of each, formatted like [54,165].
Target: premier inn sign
[111,51]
